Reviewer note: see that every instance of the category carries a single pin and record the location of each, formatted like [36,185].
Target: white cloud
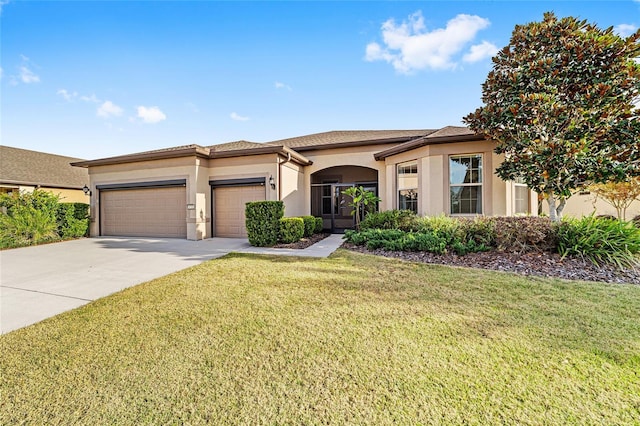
[280,85]
[91,98]
[625,30]
[151,115]
[2,4]
[27,76]
[109,109]
[237,117]
[68,96]
[410,47]
[480,51]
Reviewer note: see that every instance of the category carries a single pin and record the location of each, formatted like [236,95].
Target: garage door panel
[144,212]
[230,206]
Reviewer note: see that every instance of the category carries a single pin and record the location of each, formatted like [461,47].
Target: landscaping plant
[291,229]
[362,201]
[309,225]
[600,240]
[559,102]
[262,222]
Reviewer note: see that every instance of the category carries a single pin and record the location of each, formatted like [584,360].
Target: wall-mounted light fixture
[86,190]
[272,182]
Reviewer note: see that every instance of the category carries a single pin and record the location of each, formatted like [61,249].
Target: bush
[525,234]
[72,220]
[405,220]
[262,222]
[30,218]
[309,225]
[397,240]
[291,229]
[600,241]
[319,225]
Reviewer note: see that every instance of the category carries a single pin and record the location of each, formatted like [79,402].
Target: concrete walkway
[43,281]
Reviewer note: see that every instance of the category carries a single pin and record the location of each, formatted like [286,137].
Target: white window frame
[410,165]
[519,183]
[479,184]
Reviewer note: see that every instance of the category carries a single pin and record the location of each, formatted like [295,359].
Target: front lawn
[351,339]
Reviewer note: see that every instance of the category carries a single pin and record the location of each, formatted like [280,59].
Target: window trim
[416,189]
[519,183]
[479,184]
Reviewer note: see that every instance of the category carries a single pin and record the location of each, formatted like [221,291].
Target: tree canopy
[562,104]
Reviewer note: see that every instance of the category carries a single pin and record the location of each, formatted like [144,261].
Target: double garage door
[160,211]
[144,212]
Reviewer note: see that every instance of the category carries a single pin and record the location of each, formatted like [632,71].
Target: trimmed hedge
[405,220]
[309,225]
[319,225]
[262,222]
[73,220]
[38,217]
[291,229]
[526,234]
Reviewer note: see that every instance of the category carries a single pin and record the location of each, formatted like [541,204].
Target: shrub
[309,225]
[405,220]
[600,240]
[262,222]
[319,225]
[291,229]
[443,226]
[30,218]
[72,220]
[525,234]
[397,240]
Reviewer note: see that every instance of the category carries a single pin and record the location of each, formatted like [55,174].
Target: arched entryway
[328,200]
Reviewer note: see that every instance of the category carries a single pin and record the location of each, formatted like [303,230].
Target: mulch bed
[532,264]
[305,242]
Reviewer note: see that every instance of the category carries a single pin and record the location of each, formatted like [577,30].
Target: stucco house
[26,170]
[197,192]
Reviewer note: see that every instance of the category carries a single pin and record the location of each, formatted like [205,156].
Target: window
[327,196]
[408,186]
[465,184]
[520,197]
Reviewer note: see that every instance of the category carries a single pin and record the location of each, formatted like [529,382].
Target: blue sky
[92,79]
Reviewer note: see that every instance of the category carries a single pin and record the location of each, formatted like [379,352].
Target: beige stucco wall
[433,178]
[579,205]
[149,171]
[292,191]
[353,156]
[66,195]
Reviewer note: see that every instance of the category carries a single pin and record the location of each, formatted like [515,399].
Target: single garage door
[229,208]
[144,212]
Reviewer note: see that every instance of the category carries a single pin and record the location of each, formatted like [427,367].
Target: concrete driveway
[42,281]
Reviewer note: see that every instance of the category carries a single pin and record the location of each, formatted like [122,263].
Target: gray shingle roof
[233,146]
[346,137]
[22,166]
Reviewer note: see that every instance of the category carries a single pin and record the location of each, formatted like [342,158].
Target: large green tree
[559,102]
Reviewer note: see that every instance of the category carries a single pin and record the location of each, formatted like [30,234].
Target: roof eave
[424,141]
[133,158]
[37,184]
[270,149]
[355,143]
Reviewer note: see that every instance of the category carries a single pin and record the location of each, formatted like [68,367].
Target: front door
[341,218]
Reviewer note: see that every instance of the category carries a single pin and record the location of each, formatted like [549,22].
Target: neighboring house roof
[344,138]
[33,168]
[445,135]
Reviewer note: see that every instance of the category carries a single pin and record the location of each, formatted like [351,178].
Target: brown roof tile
[22,166]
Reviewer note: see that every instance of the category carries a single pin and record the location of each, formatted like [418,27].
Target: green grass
[353,339]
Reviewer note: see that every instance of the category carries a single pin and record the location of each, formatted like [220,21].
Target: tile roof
[22,166]
[350,137]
